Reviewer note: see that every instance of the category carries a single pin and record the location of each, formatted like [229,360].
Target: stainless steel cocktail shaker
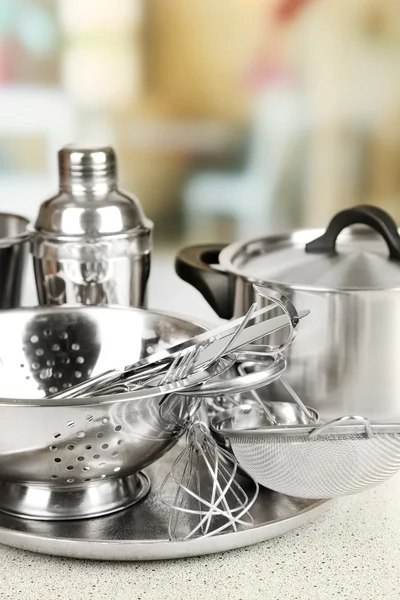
[91,243]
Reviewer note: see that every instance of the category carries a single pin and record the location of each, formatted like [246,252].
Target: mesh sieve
[321,467]
[333,459]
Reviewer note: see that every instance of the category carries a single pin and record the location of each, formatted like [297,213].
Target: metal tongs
[207,349]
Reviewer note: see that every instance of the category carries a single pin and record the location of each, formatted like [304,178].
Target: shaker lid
[360,258]
[89,202]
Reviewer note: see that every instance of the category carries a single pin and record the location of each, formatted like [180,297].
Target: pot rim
[227,254]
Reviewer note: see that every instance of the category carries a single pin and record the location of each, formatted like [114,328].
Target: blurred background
[231,119]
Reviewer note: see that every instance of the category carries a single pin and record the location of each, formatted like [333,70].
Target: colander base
[41,502]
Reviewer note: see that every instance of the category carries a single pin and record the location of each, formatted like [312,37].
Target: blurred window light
[102,77]
[7,15]
[22,153]
[77,16]
[36,30]
[171,135]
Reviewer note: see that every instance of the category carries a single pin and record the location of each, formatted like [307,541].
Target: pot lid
[89,202]
[359,258]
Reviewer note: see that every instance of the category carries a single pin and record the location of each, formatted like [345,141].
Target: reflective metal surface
[43,502]
[210,344]
[91,242]
[346,456]
[344,359]
[206,482]
[250,411]
[361,262]
[141,532]
[14,249]
[280,413]
[74,446]
[268,370]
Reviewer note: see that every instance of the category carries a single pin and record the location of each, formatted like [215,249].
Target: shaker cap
[76,162]
[89,202]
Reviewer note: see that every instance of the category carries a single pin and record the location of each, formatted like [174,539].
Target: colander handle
[372,216]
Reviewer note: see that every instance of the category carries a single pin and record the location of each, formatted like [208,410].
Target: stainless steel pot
[344,360]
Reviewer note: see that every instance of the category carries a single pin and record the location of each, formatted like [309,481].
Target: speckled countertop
[352,551]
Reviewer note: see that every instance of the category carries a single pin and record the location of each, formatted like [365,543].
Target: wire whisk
[205,486]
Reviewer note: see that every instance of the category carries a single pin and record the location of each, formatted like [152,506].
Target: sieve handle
[355,420]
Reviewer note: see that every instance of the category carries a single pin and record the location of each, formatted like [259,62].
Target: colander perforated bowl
[63,459]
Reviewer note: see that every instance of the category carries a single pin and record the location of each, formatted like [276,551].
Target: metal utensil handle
[249,335]
[108,379]
[181,366]
[241,383]
[164,357]
[289,310]
[225,349]
[242,371]
[298,400]
[92,384]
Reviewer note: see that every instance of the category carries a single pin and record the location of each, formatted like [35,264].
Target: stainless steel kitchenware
[246,368]
[14,249]
[210,475]
[148,370]
[214,343]
[258,411]
[345,360]
[91,243]
[218,378]
[141,532]
[269,369]
[78,458]
[345,456]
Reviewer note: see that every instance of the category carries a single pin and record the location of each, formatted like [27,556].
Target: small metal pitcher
[14,249]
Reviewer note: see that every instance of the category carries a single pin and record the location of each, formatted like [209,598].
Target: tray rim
[163,549]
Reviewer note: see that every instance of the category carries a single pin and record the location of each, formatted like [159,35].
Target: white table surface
[351,552]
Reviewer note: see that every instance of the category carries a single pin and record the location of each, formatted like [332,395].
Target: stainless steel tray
[141,532]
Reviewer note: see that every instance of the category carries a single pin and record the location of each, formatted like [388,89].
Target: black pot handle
[193,265]
[373,216]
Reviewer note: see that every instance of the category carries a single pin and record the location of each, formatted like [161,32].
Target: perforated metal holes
[93,449]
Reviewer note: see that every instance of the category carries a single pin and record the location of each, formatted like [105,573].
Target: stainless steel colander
[76,458]
[80,457]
